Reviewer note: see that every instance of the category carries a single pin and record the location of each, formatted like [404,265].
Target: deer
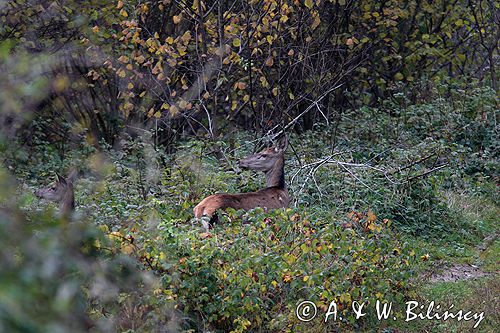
[61,192]
[271,161]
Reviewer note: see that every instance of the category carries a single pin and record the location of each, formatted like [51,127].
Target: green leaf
[5,47]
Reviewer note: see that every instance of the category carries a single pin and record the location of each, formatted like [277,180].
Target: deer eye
[263,156]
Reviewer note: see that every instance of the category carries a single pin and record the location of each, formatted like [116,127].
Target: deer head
[271,161]
[60,192]
[266,159]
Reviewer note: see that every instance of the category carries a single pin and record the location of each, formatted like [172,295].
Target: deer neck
[67,205]
[276,176]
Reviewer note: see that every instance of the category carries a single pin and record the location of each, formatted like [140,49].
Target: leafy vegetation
[391,109]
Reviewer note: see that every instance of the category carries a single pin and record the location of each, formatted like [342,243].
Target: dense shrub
[257,267]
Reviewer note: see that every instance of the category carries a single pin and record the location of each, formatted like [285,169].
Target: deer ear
[282,144]
[61,179]
[72,175]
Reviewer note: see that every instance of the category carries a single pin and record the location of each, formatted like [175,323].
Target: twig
[428,172]
[398,170]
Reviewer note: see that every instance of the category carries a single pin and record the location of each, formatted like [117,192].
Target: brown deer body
[271,161]
[61,192]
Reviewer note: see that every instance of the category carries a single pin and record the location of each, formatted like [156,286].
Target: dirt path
[457,273]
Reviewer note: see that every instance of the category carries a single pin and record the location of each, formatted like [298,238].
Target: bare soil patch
[457,273]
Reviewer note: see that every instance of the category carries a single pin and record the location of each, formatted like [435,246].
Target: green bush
[257,267]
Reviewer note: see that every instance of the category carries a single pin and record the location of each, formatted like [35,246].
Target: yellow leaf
[316,22]
[115,235]
[127,249]
[61,83]
[236,42]
[128,106]
[119,5]
[123,59]
[246,98]
[174,110]
[169,40]
[142,94]
[398,76]
[123,13]
[264,82]
[176,19]
[183,104]
[157,68]
[121,73]
[345,298]
[130,86]
[151,112]
[181,50]
[156,35]
[305,278]
[186,37]
[165,106]
[291,52]
[104,228]
[371,216]
[308,3]
[158,114]
[140,59]
[269,62]
[275,91]
[172,62]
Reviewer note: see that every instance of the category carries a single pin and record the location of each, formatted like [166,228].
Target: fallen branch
[399,170]
[427,172]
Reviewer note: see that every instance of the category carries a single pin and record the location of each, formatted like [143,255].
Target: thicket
[208,68]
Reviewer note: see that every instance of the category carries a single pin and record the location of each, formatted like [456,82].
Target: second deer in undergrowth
[61,192]
[271,161]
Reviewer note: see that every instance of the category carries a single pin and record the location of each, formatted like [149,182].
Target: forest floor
[469,282]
